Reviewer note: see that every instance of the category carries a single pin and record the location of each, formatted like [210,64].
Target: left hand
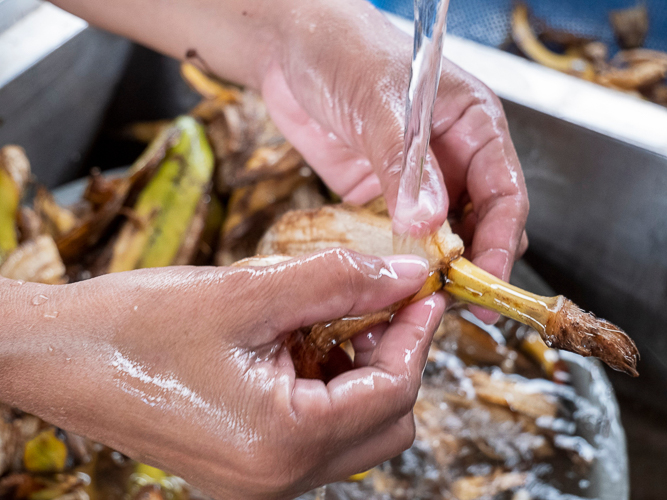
[337,92]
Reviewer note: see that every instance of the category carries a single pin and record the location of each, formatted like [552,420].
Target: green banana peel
[9,202]
[14,173]
[165,208]
[45,453]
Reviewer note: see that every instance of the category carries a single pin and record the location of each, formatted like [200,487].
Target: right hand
[185,369]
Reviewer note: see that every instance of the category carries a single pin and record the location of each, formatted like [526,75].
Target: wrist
[311,34]
[24,343]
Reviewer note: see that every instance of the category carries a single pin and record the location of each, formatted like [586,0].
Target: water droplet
[51,315]
[18,283]
[40,299]
[136,308]
[50,348]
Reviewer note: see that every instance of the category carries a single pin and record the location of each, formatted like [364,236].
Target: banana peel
[107,198]
[630,26]
[14,175]
[144,132]
[56,220]
[150,483]
[560,323]
[36,260]
[248,201]
[207,86]
[640,74]
[45,453]
[167,205]
[533,48]
[210,235]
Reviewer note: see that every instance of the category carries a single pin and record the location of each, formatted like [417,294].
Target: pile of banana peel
[633,70]
[215,187]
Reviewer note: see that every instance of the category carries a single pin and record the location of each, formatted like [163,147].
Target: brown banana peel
[56,220]
[534,49]
[108,197]
[559,322]
[167,205]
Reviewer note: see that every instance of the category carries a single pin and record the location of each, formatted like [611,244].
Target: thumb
[431,212]
[324,286]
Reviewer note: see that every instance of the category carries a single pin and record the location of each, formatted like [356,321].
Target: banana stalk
[560,323]
[166,206]
[14,174]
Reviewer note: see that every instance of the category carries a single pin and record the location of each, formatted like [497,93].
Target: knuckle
[406,403]
[487,97]
[408,433]
[346,269]
[281,469]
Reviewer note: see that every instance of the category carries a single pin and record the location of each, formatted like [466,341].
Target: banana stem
[468,283]
[560,323]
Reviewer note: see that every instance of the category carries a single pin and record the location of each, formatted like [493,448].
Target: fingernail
[406,267]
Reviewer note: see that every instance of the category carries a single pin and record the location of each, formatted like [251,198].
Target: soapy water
[411,211]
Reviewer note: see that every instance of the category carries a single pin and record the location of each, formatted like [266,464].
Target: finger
[357,403]
[433,200]
[328,154]
[474,142]
[365,343]
[523,246]
[482,150]
[383,446]
[326,285]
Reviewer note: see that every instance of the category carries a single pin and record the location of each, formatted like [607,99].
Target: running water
[430,20]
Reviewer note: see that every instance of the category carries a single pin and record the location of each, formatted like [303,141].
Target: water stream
[430,21]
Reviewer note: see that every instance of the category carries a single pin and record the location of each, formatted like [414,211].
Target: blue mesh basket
[487,21]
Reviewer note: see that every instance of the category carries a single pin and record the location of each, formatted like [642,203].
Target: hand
[183,368]
[334,76]
[336,91]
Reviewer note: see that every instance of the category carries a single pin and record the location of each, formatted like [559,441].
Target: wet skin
[184,368]
[334,77]
[181,367]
